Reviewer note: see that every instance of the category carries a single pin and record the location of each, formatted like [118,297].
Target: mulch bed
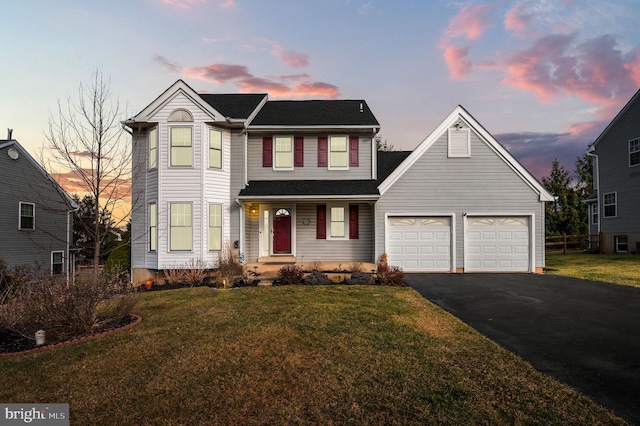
[13,344]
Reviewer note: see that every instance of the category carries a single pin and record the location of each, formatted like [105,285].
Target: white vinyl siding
[153,148]
[215,149]
[27,220]
[181,141]
[215,227]
[181,227]
[338,152]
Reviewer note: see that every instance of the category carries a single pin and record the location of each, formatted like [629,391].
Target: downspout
[241,225]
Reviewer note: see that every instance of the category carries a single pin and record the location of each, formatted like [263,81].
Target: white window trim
[151,247]
[62,263]
[152,155]
[330,167]
[594,213]
[345,208]
[171,165]
[616,243]
[629,145]
[212,129]
[604,205]
[275,154]
[20,216]
[171,226]
[450,154]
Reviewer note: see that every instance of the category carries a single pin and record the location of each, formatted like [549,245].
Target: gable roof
[178,87]
[459,113]
[235,105]
[634,98]
[8,144]
[316,113]
[310,188]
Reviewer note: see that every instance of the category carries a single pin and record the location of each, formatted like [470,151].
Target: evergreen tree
[84,229]
[563,216]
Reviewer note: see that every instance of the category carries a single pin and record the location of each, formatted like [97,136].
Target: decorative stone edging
[138,320]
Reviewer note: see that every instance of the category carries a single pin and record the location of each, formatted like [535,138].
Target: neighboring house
[614,209]
[35,212]
[300,180]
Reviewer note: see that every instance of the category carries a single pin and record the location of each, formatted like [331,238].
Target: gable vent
[459,141]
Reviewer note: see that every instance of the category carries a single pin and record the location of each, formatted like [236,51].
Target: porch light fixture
[253,210]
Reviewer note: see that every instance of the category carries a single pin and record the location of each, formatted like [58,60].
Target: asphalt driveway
[585,334]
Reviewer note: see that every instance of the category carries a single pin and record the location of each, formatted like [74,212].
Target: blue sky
[544,77]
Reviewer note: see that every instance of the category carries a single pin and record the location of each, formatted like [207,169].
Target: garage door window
[403,222]
[434,222]
[482,222]
[512,222]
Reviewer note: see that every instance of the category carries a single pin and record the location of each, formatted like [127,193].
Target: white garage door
[497,244]
[419,244]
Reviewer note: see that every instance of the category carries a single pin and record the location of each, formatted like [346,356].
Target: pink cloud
[516,20]
[289,86]
[633,65]
[471,22]
[289,57]
[227,4]
[456,59]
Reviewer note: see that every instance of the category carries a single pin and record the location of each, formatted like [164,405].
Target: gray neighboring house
[35,212]
[303,180]
[614,208]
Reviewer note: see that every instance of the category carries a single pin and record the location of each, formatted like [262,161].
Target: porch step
[277,259]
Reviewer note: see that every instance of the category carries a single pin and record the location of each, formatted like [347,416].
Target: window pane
[27,213]
[180,238]
[338,152]
[153,151]
[181,136]
[181,146]
[153,229]
[215,149]
[215,239]
[284,153]
[337,222]
[337,229]
[181,156]
[215,227]
[180,223]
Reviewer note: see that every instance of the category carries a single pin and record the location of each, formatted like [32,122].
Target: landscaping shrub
[65,310]
[391,276]
[317,278]
[383,264]
[229,268]
[356,267]
[194,272]
[360,278]
[337,279]
[174,276]
[290,274]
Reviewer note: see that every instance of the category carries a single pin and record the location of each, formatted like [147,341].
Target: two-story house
[303,179]
[36,214]
[614,209]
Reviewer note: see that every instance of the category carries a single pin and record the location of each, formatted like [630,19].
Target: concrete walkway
[585,334]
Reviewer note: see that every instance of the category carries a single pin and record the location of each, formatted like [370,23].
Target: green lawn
[294,355]
[614,268]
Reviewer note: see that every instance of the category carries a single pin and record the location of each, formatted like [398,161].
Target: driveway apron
[585,334]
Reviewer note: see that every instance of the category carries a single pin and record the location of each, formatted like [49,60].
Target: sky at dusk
[543,76]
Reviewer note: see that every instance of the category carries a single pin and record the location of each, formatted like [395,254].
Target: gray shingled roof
[387,163]
[315,113]
[234,105]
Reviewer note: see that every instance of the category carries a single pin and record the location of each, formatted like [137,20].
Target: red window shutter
[298,151]
[267,151]
[353,222]
[354,147]
[321,222]
[322,151]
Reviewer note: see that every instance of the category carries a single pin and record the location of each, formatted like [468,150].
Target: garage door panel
[497,244]
[419,243]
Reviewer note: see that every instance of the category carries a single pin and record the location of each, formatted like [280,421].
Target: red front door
[282,232]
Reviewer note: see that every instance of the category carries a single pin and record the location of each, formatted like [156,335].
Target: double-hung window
[153,148]
[338,152]
[215,227]
[57,262]
[181,140]
[610,203]
[634,152]
[337,222]
[283,152]
[215,149]
[180,227]
[27,216]
[153,227]
[594,213]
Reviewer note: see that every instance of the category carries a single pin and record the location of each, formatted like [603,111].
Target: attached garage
[497,244]
[419,243]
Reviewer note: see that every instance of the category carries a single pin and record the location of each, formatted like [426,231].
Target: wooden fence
[564,242]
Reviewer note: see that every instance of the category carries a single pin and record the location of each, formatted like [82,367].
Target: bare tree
[91,154]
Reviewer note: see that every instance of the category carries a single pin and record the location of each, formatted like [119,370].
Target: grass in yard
[294,355]
[614,268]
